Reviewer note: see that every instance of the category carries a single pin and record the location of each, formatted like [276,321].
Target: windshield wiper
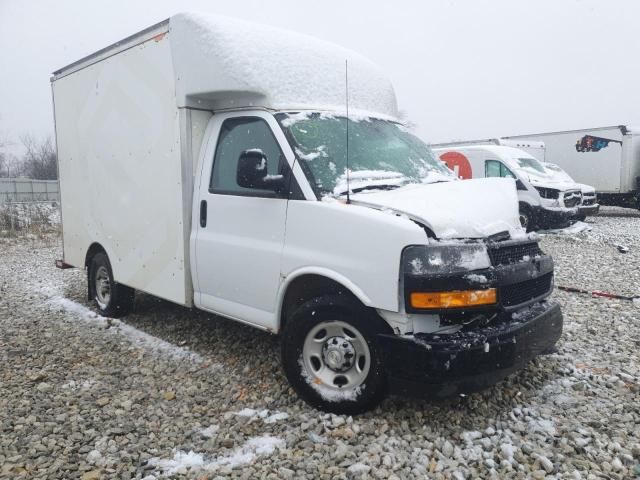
[371,187]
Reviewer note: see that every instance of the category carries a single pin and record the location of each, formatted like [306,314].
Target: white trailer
[204,160]
[608,158]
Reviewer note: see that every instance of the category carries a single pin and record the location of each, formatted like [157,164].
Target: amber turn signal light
[457,299]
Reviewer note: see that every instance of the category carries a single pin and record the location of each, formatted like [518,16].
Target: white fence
[14,190]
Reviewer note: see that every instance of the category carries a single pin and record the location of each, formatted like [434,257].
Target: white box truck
[608,158]
[212,162]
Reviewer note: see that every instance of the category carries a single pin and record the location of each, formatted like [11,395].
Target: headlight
[444,259]
[548,193]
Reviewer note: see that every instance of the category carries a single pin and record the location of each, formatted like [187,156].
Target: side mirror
[252,172]
[520,185]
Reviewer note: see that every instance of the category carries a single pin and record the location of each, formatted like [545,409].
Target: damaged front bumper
[467,361]
[553,217]
[588,210]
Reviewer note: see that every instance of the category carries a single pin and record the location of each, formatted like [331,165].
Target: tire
[112,299]
[581,217]
[330,356]
[526,219]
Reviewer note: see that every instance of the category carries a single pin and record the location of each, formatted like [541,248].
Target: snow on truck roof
[221,62]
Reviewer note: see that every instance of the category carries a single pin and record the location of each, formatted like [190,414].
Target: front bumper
[588,210]
[546,218]
[464,362]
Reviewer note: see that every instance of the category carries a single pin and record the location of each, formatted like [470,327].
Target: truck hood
[474,208]
[555,184]
[552,179]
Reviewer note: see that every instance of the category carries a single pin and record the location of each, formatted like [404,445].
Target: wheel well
[306,287]
[524,206]
[93,249]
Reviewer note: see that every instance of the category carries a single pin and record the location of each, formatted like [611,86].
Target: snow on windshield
[530,163]
[381,152]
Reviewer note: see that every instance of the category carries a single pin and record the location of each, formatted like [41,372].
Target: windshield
[382,154]
[558,173]
[531,164]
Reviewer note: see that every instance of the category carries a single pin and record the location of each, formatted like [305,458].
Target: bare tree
[40,160]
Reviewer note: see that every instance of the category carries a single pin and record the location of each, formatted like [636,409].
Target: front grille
[515,253]
[588,200]
[512,295]
[572,199]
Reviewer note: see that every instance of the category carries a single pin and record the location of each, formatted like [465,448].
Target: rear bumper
[464,362]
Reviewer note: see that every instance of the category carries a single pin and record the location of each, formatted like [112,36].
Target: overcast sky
[462,69]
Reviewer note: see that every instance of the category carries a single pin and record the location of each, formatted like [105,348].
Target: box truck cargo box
[206,161]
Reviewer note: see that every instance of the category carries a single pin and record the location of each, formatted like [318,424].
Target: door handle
[203,213]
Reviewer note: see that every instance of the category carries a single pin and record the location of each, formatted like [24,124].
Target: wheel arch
[308,283]
[94,248]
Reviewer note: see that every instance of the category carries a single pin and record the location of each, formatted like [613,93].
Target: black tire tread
[122,297]
[339,307]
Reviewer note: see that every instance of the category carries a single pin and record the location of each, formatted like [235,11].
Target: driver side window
[495,168]
[236,136]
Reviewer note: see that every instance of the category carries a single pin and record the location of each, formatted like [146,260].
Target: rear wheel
[330,356]
[112,299]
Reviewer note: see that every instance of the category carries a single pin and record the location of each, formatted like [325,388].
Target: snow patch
[262,414]
[327,392]
[192,462]
[135,336]
[210,431]
[578,227]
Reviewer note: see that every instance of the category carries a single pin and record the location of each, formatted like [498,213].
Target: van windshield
[531,164]
[382,154]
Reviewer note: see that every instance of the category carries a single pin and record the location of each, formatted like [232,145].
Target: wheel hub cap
[338,353]
[103,287]
[336,356]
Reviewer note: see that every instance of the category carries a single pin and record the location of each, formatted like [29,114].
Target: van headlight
[444,259]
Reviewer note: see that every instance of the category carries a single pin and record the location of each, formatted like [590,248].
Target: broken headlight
[548,193]
[444,259]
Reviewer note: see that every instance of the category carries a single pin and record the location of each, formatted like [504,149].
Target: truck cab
[544,202]
[265,199]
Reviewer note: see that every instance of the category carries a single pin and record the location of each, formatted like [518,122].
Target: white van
[589,204]
[543,202]
[205,160]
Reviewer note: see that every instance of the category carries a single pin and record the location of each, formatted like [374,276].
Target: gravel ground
[175,392]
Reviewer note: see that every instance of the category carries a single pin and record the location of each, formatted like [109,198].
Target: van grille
[515,253]
[572,198]
[512,295]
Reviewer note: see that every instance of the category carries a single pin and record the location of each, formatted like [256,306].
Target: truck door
[239,232]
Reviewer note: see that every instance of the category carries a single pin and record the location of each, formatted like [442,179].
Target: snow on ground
[137,337]
[577,227]
[264,415]
[191,462]
[77,399]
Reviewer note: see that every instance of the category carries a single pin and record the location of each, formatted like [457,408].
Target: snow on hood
[474,208]
[539,181]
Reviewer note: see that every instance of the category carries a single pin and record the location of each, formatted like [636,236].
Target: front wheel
[113,299]
[330,356]
[526,220]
